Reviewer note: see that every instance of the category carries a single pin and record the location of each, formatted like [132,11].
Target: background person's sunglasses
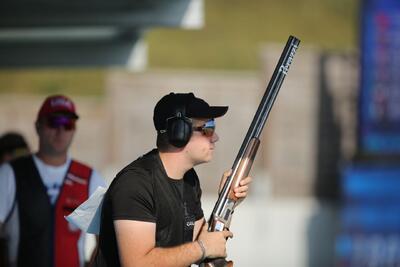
[56,122]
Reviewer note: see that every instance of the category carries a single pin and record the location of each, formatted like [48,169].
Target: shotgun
[221,216]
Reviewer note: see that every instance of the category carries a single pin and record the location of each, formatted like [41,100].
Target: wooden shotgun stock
[221,216]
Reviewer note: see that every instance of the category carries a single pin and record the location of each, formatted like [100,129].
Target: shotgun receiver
[222,213]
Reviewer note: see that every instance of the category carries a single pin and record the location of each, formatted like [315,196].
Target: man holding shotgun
[151,214]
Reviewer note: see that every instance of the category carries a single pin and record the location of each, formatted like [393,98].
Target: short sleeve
[7,190]
[131,197]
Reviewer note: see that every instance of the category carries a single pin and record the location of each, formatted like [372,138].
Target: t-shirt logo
[190,224]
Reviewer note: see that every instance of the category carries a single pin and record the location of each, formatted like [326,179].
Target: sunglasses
[56,122]
[207,128]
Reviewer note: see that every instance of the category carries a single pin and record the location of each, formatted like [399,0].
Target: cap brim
[64,113]
[211,112]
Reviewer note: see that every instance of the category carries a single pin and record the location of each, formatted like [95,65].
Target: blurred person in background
[151,214]
[38,190]
[12,145]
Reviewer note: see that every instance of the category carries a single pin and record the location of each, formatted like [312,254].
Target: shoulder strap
[15,164]
[79,172]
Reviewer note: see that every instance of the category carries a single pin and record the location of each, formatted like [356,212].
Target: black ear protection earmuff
[179,127]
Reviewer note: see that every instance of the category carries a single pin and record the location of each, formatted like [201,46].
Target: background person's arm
[7,197]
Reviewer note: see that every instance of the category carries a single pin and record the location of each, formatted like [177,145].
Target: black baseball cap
[194,108]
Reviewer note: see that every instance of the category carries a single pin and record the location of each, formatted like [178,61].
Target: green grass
[235,30]
[52,81]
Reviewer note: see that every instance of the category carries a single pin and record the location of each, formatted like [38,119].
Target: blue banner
[379,116]
[370,217]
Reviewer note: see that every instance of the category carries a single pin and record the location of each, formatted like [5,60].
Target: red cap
[57,104]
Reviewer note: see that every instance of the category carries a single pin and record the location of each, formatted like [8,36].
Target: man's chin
[58,152]
[208,159]
[202,161]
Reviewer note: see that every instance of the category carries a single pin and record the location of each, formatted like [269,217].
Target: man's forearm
[182,255]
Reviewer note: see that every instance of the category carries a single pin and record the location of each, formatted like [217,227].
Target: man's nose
[214,137]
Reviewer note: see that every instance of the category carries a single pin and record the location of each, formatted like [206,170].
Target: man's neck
[175,164]
[54,160]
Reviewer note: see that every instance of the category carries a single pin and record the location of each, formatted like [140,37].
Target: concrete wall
[313,124]
[132,98]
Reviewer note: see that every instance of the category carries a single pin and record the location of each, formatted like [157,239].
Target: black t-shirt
[142,191]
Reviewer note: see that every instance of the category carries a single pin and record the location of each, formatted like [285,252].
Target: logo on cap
[63,102]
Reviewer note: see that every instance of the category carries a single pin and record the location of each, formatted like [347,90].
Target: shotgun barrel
[222,213]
